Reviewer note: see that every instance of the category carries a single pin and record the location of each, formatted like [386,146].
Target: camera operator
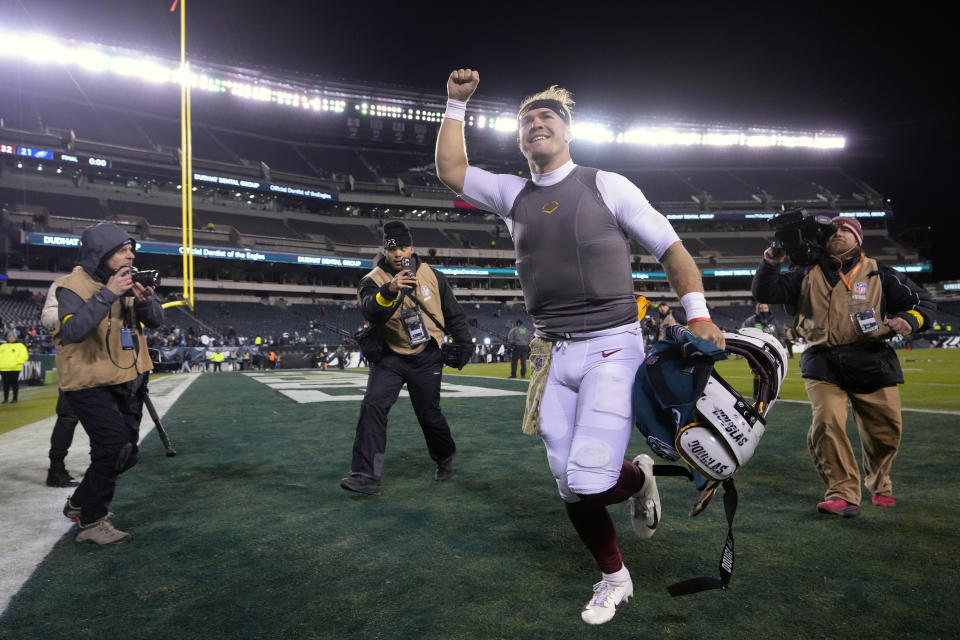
[413,356]
[102,361]
[846,307]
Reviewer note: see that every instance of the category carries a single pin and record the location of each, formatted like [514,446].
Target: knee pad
[591,467]
[127,457]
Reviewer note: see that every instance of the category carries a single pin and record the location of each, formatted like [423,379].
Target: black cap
[396,234]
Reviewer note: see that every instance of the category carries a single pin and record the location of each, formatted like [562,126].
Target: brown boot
[101,532]
[72,512]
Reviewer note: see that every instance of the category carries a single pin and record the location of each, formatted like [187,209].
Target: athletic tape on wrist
[456,110]
[695,304]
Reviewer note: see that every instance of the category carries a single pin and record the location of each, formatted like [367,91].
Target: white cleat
[607,596]
[645,504]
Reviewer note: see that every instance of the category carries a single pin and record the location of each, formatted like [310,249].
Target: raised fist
[462,83]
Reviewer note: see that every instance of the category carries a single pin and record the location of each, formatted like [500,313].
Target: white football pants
[586,414]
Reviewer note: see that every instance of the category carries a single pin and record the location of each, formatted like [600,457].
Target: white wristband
[456,109]
[695,305]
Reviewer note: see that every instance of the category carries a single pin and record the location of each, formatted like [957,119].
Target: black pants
[11,380]
[111,418]
[62,436]
[422,374]
[520,353]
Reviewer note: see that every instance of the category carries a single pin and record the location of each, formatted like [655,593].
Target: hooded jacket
[763,320]
[88,340]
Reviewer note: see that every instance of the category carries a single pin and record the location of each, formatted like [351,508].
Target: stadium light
[592,132]
[504,124]
[655,136]
[294,94]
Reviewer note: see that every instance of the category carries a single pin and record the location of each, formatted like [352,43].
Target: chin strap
[696,585]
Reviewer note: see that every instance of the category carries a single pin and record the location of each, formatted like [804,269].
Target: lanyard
[852,272]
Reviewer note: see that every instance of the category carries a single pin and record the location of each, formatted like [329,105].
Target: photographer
[102,360]
[413,356]
[846,307]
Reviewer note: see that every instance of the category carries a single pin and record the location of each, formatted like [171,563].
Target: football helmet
[727,426]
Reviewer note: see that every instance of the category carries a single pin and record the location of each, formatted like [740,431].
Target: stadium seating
[158,214]
[19,311]
[731,246]
[662,186]
[250,319]
[720,185]
[831,179]
[426,237]
[91,122]
[79,205]
[278,155]
[387,164]
[778,184]
[336,160]
[357,234]
[245,224]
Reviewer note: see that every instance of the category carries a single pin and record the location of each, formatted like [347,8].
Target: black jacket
[454,319]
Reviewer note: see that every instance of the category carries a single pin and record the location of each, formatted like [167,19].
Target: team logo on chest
[425,292]
[550,207]
[860,288]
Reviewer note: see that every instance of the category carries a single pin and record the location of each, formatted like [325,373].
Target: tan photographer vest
[428,292]
[87,364]
[825,313]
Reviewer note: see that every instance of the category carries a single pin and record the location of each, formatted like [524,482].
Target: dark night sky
[882,78]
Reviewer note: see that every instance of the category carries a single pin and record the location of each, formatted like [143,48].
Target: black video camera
[802,235]
[145,277]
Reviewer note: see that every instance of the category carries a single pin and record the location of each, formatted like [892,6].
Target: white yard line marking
[319,386]
[30,510]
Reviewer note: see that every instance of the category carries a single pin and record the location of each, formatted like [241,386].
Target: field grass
[932,377]
[932,382]
[246,534]
[35,403]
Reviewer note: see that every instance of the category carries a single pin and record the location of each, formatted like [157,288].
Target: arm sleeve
[49,316]
[903,298]
[150,313]
[79,318]
[454,319]
[771,286]
[635,215]
[494,192]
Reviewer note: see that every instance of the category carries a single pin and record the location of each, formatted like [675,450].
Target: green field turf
[932,377]
[246,534]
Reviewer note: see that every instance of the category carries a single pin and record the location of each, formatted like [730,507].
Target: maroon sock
[595,527]
[629,482]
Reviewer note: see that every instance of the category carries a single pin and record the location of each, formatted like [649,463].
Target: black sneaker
[444,470]
[58,476]
[361,484]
